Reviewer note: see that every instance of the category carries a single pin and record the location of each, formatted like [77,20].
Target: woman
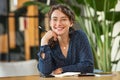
[71,51]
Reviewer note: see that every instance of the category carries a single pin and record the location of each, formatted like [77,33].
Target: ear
[71,24]
[50,24]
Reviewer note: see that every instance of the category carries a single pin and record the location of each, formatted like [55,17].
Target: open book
[66,74]
[78,74]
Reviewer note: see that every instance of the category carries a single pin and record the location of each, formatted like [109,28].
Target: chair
[20,68]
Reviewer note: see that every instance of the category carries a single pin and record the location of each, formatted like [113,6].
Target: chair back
[19,68]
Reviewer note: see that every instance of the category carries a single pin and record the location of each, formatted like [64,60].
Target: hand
[47,36]
[58,71]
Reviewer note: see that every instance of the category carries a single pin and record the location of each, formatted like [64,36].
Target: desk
[116,76]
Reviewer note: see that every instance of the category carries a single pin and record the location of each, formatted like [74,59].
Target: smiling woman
[71,51]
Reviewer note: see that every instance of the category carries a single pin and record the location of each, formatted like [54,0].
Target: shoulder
[79,36]
[79,33]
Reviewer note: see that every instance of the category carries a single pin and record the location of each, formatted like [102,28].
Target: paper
[66,74]
[104,74]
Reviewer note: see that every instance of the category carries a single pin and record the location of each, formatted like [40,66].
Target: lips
[59,28]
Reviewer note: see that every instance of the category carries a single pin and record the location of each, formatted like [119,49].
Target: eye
[64,19]
[54,19]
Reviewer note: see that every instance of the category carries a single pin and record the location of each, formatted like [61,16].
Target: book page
[66,74]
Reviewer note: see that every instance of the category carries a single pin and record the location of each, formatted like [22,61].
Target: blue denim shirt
[79,57]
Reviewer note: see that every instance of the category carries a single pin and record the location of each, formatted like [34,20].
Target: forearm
[79,67]
[45,63]
[45,66]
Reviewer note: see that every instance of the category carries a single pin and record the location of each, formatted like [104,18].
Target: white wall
[116,31]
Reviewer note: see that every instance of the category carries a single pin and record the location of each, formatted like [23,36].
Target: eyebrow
[61,17]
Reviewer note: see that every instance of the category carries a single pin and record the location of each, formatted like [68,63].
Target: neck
[63,41]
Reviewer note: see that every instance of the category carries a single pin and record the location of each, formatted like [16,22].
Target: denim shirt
[79,57]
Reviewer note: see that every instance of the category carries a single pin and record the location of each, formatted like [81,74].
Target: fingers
[52,34]
[48,36]
[58,71]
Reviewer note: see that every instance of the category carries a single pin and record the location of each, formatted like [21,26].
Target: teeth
[59,28]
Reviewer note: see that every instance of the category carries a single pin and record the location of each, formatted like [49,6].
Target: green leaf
[61,1]
[113,16]
[76,10]
[43,8]
[80,1]
[28,3]
[99,5]
[119,34]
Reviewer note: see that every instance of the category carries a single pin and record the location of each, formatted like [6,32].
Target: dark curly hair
[67,11]
[63,8]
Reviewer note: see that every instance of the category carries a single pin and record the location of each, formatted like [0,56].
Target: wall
[116,42]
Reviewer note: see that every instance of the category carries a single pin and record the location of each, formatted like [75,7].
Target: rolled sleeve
[44,49]
[45,65]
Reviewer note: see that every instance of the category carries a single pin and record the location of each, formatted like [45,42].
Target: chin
[59,34]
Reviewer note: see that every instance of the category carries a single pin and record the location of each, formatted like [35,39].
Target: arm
[45,64]
[81,66]
[84,63]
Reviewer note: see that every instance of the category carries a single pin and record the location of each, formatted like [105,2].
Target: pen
[42,28]
[51,40]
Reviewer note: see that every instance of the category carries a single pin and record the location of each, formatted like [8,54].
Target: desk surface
[115,76]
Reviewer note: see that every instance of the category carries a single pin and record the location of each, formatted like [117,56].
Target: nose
[58,23]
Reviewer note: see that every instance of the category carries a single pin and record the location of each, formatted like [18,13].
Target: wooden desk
[116,76]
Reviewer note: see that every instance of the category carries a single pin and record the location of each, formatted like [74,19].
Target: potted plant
[99,31]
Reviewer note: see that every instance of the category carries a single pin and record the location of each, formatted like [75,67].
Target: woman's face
[60,22]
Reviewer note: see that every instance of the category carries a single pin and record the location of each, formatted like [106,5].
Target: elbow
[43,71]
[88,69]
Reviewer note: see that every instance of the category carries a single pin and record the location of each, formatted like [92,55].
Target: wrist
[44,42]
